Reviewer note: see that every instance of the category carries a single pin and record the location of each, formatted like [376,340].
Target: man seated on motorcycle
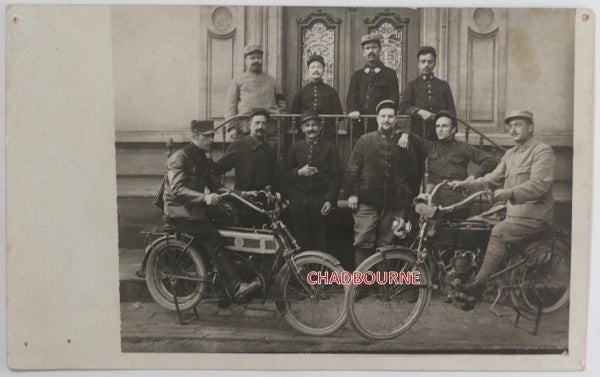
[527,173]
[448,159]
[191,186]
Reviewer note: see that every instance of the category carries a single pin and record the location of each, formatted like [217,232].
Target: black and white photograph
[291,140]
[307,181]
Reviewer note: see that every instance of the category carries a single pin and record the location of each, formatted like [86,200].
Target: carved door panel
[335,33]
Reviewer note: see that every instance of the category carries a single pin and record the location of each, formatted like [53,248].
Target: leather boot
[473,289]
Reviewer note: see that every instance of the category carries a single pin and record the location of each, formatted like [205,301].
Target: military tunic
[321,98]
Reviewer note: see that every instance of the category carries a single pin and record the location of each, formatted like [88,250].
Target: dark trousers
[208,238]
[310,227]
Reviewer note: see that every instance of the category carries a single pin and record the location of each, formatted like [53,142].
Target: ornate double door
[335,34]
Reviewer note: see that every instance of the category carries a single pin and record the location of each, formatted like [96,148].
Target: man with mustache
[377,179]
[318,96]
[313,173]
[254,160]
[523,180]
[448,159]
[422,98]
[253,89]
[370,85]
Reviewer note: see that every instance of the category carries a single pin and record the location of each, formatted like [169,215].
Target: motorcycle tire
[317,309]
[172,269]
[385,311]
[543,281]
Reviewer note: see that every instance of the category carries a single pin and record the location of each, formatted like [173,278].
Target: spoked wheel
[313,309]
[542,283]
[172,269]
[384,311]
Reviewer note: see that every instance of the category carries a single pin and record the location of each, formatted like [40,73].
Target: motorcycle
[447,251]
[180,276]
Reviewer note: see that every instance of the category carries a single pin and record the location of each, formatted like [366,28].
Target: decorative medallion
[222,18]
[483,18]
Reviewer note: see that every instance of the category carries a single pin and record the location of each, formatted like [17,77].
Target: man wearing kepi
[253,89]
[526,174]
[377,181]
[448,159]
[314,175]
[371,84]
[189,175]
[318,96]
[422,98]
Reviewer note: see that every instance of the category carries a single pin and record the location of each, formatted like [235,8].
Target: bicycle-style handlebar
[454,206]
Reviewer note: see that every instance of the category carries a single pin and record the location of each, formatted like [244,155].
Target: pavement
[256,327]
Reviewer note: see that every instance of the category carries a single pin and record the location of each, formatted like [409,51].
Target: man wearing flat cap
[448,159]
[371,84]
[377,179]
[523,180]
[422,98]
[190,187]
[318,96]
[253,89]
[313,173]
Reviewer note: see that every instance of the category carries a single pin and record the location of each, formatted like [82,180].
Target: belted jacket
[527,170]
[189,173]
[378,171]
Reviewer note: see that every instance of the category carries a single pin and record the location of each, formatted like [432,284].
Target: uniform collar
[525,145]
[428,76]
[194,152]
[252,142]
[375,67]
[316,142]
[384,136]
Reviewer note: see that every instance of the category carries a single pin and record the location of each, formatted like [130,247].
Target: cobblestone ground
[442,328]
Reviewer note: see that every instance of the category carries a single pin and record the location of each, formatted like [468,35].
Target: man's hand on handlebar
[502,195]
[248,194]
[212,199]
[456,185]
[353,202]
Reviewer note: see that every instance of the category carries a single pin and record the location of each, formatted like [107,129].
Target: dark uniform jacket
[378,171]
[449,159]
[321,98]
[429,93]
[369,86]
[322,155]
[189,172]
[255,164]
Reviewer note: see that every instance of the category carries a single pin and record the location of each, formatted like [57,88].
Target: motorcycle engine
[462,265]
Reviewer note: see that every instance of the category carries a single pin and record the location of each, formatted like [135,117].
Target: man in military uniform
[189,174]
[448,159]
[422,98]
[525,175]
[253,89]
[318,96]
[371,84]
[377,179]
[314,175]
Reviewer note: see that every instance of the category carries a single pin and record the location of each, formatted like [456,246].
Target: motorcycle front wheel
[175,269]
[313,309]
[542,283]
[386,309]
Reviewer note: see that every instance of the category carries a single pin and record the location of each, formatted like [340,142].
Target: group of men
[384,169]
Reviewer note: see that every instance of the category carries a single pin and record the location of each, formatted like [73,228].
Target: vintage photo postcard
[271,186]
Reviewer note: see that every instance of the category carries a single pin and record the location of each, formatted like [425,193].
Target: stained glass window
[391,46]
[320,40]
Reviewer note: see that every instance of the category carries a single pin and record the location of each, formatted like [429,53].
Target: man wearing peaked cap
[253,89]
[190,187]
[313,174]
[377,179]
[422,98]
[523,180]
[370,84]
[318,96]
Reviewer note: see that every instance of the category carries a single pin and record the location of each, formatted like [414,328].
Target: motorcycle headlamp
[401,227]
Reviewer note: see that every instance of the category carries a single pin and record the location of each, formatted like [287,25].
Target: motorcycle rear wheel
[543,281]
[317,309]
[385,311]
[172,269]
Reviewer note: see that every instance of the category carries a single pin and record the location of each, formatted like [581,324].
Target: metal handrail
[481,134]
